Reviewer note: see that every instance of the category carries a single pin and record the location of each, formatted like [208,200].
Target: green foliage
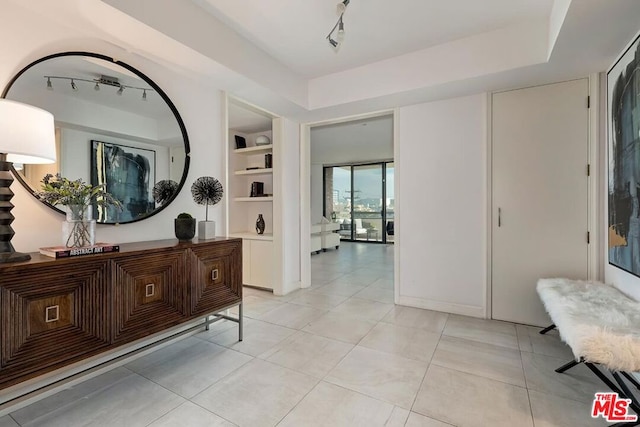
[57,190]
[184,215]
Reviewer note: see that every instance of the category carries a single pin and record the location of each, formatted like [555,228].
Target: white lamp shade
[27,133]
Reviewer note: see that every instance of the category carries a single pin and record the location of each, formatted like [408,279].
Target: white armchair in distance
[345,228]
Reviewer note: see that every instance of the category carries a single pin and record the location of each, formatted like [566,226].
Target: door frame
[305,190]
[595,198]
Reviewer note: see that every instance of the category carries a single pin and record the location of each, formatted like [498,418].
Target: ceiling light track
[103,80]
[339,37]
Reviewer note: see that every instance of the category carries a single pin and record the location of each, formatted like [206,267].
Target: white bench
[601,325]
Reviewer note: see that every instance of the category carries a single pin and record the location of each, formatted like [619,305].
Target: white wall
[441,170]
[36,225]
[317,192]
[290,213]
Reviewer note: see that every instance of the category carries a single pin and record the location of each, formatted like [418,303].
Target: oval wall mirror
[114,126]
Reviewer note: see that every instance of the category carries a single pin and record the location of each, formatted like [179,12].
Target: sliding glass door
[367,203]
[360,199]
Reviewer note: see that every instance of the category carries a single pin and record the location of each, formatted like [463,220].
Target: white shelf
[261,171]
[249,235]
[253,199]
[254,150]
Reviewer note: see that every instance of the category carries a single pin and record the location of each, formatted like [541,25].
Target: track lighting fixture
[335,42]
[103,80]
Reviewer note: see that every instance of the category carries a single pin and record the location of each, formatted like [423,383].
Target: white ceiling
[244,119]
[274,53]
[294,31]
[354,141]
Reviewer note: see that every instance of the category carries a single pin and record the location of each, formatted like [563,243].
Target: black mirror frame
[151,83]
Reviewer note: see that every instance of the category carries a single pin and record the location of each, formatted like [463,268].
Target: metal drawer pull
[52,313]
[214,274]
[150,290]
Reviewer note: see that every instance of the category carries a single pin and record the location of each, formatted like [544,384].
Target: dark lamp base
[14,257]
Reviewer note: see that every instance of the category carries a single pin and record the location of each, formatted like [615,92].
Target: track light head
[144,94]
[333,42]
[342,6]
[119,92]
[74,86]
[49,84]
[340,35]
[96,87]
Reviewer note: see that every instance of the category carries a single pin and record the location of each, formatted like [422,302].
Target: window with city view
[361,199]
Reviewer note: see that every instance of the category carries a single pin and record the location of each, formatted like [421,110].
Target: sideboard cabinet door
[150,293]
[52,315]
[216,276]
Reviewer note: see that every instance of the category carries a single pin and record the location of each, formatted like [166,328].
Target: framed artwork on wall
[128,174]
[623,149]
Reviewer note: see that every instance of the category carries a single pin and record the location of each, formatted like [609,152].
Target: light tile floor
[337,354]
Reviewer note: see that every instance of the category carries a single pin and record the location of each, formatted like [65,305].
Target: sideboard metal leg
[206,323]
[240,322]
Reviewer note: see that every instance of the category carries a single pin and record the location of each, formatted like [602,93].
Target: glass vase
[79,229]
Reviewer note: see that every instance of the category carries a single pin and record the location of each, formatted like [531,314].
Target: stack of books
[64,252]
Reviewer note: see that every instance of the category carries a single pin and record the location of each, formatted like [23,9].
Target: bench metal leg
[634,405]
[631,379]
[623,391]
[547,329]
[240,322]
[568,366]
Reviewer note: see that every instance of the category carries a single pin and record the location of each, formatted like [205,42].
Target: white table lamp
[27,135]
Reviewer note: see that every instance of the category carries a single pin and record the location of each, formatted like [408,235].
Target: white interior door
[539,197]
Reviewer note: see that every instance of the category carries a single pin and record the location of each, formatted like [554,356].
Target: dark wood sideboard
[58,312]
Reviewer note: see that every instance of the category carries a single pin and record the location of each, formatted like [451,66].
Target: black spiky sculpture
[164,190]
[206,190]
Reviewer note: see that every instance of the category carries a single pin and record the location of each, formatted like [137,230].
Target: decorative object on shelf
[240,142]
[257,189]
[263,140]
[260,225]
[268,160]
[78,197]
[337,42]
[164,190]
[185,227]
[206,190]
[27,135]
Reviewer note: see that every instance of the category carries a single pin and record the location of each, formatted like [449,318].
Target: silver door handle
[499,217]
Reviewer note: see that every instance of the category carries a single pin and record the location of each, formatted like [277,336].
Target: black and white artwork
[623,86]
[129,175]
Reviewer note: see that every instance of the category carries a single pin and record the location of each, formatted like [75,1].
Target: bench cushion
[598,322]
